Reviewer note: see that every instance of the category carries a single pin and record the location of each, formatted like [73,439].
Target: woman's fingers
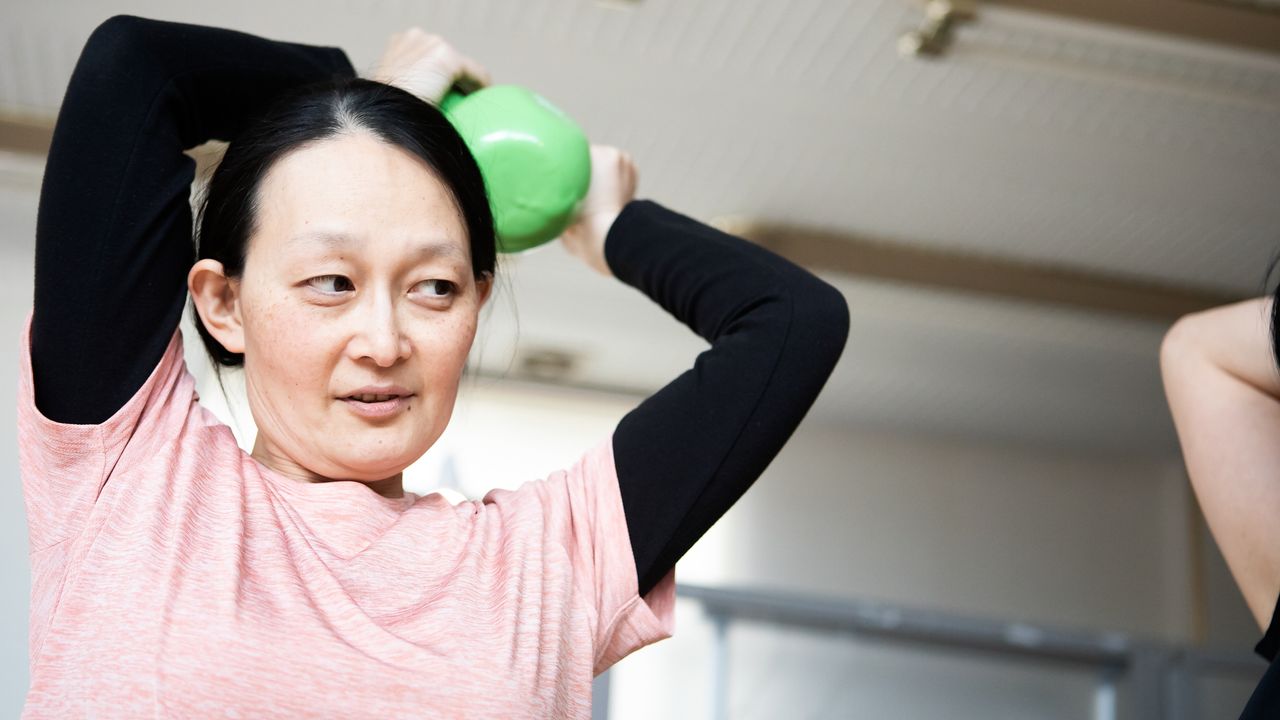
[613,177]
[613,185]
[462,67]
[427,65]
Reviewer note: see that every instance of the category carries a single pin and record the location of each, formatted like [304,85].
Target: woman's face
[357,286]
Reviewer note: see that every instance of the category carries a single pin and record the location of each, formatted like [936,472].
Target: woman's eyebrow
[335,241]
[432,250]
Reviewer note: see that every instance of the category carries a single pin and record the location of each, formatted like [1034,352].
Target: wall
[967,527]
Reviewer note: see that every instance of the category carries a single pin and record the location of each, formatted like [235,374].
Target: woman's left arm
[688,452]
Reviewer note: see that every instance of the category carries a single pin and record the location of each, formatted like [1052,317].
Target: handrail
[863,617]
[1158,673]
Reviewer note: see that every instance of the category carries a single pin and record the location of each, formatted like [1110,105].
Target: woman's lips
[378,409]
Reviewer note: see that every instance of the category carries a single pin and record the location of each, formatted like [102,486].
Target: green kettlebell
[535,161]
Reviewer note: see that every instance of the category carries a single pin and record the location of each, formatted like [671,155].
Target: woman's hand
[613,185]
[427,66]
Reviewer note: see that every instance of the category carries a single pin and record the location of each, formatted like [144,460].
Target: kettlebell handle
[454,96]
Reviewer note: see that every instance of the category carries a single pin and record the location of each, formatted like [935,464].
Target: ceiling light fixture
[935,34]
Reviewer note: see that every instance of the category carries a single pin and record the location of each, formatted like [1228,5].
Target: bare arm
[1224,392]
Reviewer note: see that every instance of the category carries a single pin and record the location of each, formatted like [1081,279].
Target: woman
[344,251]
[1220,377]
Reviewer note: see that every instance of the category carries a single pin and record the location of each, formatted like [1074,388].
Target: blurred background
[985,515]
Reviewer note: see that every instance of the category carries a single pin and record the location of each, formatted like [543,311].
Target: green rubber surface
[535,160]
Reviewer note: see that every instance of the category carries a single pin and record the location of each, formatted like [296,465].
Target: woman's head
[345,248]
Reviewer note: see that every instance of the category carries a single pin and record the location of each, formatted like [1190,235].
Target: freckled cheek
[289,347]
[461,334]
[444,345]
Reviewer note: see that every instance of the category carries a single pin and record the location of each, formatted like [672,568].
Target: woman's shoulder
[159,405]
[65,467]
[589,478]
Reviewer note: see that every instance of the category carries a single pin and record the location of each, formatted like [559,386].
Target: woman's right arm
[114,226]
[1224,392]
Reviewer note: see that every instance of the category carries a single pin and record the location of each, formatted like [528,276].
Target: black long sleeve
[113,228]
[688,452]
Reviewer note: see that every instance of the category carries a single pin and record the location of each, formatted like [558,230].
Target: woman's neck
[390,487]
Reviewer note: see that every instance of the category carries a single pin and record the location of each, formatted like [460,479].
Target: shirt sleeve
[64,466]
[581,513]
[603,556]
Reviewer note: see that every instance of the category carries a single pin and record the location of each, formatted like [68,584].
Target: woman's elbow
[826,318]
[1182,343]
[1175,341]
[120,41]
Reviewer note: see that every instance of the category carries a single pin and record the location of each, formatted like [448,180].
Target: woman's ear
[484,286]
[217,299]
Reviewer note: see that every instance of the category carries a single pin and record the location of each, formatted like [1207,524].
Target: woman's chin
[365,452]
[378,449]
[366,469]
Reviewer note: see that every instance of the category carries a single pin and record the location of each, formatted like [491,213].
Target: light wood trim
[1214,21]
[987,275]
[25,134]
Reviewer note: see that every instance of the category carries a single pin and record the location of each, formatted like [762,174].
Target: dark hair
[1275,309]
[311,113]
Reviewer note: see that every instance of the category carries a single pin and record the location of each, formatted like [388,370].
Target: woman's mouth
[376,405]
[367,398]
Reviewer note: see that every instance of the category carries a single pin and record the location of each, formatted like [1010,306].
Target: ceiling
[1035,138]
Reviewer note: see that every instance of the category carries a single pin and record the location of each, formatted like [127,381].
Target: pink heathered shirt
[175,576]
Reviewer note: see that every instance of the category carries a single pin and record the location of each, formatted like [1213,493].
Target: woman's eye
[435,288]
[332,284]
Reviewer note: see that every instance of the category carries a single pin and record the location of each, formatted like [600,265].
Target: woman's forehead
[421,248]
[357,187]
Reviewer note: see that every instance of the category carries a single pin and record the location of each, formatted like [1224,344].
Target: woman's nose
[379,337]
